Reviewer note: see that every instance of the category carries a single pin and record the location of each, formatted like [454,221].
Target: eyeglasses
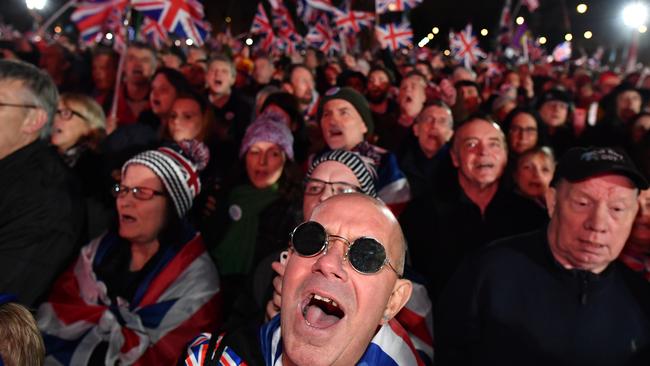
[141,193]
[366,255]
[19,105]
[66,114]
[315,187]
[523,130]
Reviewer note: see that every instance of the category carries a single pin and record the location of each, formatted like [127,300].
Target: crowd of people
[191,209]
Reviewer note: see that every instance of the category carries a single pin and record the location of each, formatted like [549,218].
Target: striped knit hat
[178,168]
[364,171]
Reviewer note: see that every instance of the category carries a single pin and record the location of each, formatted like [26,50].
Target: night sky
[553,19]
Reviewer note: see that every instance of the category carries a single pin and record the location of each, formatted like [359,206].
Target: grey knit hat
[363,170]
[270,126]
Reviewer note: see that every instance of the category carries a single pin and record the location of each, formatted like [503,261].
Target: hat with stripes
[364,171]
[178,169]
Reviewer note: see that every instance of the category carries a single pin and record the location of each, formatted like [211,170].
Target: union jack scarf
[636,260]
[177,300]
[390,346]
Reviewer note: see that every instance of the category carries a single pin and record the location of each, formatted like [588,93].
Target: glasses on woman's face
[141,193]
[315,187]
[67,113]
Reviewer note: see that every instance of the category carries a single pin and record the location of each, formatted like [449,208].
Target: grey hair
[39,84]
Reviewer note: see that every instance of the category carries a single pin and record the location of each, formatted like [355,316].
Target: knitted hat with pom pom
[178,168]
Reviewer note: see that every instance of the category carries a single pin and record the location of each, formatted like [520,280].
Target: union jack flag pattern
[394,36]
[322,37]
[385,6]
[181,17]
[562,52]
[464,46]
[179,299]
[153,32]
[288,36]
[91,17]
[390,346]
[352,21]
[324,5]
[262,26]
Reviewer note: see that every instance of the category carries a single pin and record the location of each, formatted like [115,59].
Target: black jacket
[441,229]
[514,304]
[41,221]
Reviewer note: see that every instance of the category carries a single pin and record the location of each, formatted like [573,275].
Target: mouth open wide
[321,312]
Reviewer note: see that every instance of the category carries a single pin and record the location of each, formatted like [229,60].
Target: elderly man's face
[13,129]
[140,65]
[433,129]
[342,125]
[479,153]
[316,332]
[591,220]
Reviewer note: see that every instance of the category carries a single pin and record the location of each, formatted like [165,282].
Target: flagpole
[120,67]
[55,16]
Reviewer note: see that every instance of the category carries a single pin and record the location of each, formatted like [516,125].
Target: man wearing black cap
[556,296]
[555,107]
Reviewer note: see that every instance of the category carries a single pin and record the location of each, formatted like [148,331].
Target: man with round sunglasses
[341,288]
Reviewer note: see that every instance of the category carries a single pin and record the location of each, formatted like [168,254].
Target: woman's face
[185,120]
[140,221]
[523,133]
[640,234]
[162,95]
[332,172]
[69,126]
[264,164]
[533,174]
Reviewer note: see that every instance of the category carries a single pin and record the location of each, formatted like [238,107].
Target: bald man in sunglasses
[341,289]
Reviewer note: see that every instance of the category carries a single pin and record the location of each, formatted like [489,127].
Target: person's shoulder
[512,251]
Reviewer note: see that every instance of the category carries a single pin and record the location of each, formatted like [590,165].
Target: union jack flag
[181,17]
[562,52]
[153,32]
[324,5]
[178,299]
[384,6]
[352,21]
[91,17]
[394,36]
[262,25]
[465,46]
[287,34]
[322,37]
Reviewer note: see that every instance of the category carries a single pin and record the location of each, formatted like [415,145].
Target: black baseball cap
[554,94]
[580,163]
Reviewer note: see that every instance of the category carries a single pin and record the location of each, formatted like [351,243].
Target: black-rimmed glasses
[141,193]
[67,113]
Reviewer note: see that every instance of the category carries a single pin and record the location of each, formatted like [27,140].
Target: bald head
[360,209]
